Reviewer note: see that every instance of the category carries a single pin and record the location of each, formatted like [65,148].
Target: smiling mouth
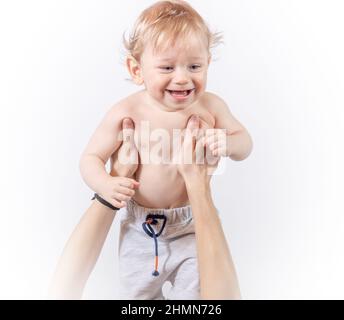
[180,93]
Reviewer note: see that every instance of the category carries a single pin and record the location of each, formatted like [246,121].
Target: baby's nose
[181,82]
[181,77]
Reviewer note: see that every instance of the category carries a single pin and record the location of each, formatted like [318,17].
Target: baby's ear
[134,69]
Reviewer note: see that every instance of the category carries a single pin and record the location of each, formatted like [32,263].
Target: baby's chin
[172,107]
[176,106]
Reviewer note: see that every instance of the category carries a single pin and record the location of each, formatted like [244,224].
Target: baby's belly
[161,186]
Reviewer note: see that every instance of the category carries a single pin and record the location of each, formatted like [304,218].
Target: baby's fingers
[211,139]
[126,191]
[120,204]
[116,203]
[129,183]
[217,145]
[219,152]
[121,197]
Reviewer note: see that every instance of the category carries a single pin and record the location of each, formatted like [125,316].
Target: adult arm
[218,279]
[84,245]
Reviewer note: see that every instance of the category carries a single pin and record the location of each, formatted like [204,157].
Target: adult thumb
[128,128]
[193,123]
[128,123]
[191,133]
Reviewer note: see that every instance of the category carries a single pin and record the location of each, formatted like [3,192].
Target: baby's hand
[118,190]
[216,141]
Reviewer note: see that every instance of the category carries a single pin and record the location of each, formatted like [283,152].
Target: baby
[168,53]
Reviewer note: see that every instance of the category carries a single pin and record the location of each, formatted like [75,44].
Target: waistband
[174,215]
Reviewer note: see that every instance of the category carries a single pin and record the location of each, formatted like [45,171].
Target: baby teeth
[180,93]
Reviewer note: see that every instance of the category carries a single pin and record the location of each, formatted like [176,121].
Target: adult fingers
[128,123]
[200,150]
[193,124]
[190,135]
[128,128]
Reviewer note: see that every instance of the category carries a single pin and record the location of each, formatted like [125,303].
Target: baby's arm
[103,143]
[237,143]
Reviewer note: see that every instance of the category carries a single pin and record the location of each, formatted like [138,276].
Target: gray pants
[177,255]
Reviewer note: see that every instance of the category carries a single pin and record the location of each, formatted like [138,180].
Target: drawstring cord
[151,219]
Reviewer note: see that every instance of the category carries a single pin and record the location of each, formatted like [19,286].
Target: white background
[281,73]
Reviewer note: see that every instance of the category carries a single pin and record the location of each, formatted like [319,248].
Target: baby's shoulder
[127,107]
[213,103]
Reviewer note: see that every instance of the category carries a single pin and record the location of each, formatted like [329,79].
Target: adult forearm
[93,171]
[81,252]
[239,145]
[217,272]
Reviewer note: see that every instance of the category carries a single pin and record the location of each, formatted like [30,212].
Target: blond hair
[164,22]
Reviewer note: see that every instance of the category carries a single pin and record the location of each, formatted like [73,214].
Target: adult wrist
[200,196]
[199,187]
[104,202]
[196,180]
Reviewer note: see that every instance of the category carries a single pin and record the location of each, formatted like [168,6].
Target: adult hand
[195,161]
[125,161]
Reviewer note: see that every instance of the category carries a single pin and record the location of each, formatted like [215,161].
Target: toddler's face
[176,77]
